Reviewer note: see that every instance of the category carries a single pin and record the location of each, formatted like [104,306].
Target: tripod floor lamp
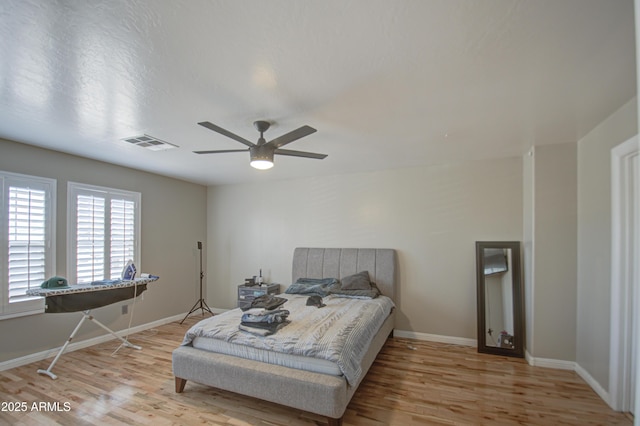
[200,303]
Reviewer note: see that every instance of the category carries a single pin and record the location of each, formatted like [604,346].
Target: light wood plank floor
[412,382]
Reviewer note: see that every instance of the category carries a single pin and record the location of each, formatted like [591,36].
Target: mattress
[314,365]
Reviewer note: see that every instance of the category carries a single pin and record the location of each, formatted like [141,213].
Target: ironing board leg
[62,349]
[85,315]
[124,342]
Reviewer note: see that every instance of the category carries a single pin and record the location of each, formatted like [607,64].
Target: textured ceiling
[387,84]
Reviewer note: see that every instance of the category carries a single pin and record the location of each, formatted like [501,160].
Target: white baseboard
[435,338]
[597,388]
[556,364]
[39,356]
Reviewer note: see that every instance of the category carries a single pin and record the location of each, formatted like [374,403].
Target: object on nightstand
[246,294]
[250,282]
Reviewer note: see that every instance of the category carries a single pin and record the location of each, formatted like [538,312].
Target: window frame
[27,305]
[73,190]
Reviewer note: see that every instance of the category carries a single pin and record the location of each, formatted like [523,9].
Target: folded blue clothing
[105,282]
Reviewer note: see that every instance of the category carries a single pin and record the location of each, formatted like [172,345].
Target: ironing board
[85,297]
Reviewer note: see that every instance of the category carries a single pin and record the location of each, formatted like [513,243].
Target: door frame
[622,279]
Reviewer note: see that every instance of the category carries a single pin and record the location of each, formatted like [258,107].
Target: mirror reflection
[498,288]
[500,303]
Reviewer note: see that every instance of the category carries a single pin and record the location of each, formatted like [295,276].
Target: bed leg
[180,384]
[334,422]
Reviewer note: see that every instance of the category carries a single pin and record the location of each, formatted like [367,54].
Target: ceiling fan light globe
[261,164]
[261,157]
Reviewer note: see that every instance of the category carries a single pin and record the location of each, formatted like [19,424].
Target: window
[104,229]
[27,256]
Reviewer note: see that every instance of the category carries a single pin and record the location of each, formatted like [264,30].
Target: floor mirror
[500,298]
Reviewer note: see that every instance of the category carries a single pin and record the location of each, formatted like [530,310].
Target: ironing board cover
[83,297]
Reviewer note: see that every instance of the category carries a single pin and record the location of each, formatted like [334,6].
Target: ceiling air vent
[149,142]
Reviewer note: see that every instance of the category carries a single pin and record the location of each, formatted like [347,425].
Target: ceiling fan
[262,152]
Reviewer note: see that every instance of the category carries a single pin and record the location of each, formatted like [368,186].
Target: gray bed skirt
[317,393]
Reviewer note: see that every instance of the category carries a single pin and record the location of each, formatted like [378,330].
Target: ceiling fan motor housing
[261,125]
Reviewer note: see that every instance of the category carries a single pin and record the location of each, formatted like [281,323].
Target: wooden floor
[412,382]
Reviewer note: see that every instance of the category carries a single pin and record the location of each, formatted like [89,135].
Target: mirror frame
[518,298]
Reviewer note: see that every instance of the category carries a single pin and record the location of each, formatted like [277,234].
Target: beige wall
[173,220]
[431,215]
[554,252]
[528,202]
[594,239]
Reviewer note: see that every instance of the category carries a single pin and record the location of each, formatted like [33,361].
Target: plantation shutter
[104,232]
[27,238]
[90,238]
[122,235]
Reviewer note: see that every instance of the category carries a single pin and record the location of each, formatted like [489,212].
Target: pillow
[359,281]
[371,293]
[313,286]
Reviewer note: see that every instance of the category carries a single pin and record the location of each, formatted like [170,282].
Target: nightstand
[246,294]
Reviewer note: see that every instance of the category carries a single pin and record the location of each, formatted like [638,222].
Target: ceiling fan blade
[220,151]
[300,154]
[226,133]
[292,136]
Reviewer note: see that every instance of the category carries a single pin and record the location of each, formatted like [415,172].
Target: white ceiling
[388,84]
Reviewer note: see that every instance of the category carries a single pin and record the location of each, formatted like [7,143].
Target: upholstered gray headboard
[342,262]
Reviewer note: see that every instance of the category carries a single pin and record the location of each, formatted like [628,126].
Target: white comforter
[339,332]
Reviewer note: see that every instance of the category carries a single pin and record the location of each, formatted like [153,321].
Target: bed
[315,389]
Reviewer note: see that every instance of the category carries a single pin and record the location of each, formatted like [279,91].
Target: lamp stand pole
[200,303]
